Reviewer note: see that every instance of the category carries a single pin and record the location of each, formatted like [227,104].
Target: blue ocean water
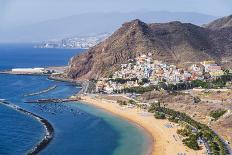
[79,129]
[24,55]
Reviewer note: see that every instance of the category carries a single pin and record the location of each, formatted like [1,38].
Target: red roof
[215,67]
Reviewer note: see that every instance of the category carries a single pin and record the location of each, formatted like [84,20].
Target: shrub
[153,107]
[173,119]
[139,89]
[184,132]
[132,102]
[159,115]
[121,103]
[191,142]
[199,83]
[217,113]
[217,146]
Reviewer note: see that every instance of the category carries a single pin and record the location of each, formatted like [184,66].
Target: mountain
[224,22]
[172,42]
[92,24]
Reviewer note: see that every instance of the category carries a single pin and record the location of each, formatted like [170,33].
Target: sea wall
[49,130]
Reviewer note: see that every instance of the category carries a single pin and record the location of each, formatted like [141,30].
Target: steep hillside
[172,42]
[220,23]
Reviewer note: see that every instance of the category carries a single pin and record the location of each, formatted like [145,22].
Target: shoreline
[164,140]
[151,140]
[161,140]
[49,130]
[140,127]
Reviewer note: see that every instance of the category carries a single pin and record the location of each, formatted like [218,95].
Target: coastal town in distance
[104,77]
[84,42]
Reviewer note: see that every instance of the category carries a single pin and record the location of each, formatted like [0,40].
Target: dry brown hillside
[172,42]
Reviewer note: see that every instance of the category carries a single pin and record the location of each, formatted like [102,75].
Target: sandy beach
[163,133]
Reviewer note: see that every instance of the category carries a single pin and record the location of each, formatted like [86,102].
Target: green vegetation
[220,82]
[153,107]
[203,131]
[216,145]
[110,76]
[139,89]
[122,81]
[159,115]
[121,103]
[184,132]
[213,84]
[170,87]
[173,119]
[132,102]
[227,76]
[199,83]
[191,142]
[119,80]
[190,138]
[217,113]
[143,81]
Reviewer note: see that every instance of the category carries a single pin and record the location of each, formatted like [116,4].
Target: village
[144,71]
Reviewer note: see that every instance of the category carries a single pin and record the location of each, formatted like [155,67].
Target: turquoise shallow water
[79,129]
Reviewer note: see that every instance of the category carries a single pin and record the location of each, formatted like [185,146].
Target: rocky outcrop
[172,42]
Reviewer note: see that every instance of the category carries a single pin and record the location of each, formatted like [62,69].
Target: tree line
[217,146]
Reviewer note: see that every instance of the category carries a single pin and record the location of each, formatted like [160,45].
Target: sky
[20,12]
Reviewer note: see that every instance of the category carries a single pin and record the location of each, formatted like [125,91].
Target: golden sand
[165,139]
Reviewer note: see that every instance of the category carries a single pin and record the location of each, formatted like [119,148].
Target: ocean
[80,129]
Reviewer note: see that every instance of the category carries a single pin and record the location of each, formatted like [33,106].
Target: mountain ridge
[172,42]
[82,24]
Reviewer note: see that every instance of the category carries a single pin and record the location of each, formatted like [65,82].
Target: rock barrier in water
[48,127]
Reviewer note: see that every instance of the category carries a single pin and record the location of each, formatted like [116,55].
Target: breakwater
[53,100]
[42,91]
[48,127]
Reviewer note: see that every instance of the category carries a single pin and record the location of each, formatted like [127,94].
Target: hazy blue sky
[14,12]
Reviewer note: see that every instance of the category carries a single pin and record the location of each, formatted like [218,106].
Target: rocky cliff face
[173,42]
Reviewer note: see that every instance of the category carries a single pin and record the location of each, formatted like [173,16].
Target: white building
[28,70]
